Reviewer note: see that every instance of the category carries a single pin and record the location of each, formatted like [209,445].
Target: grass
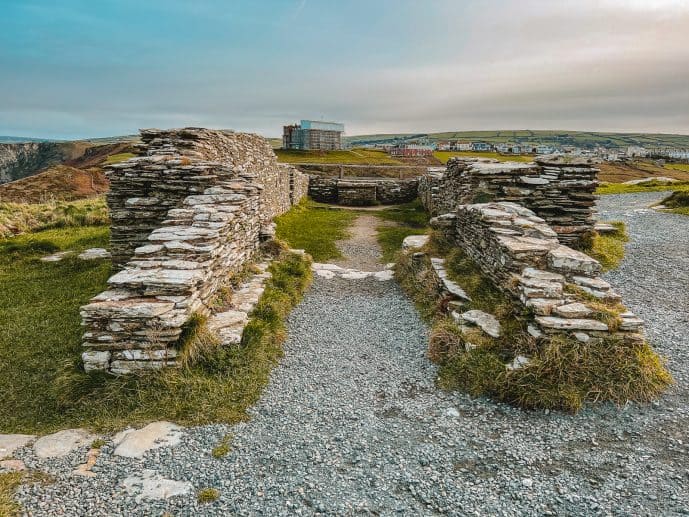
[444,156]
[353,156]
[561,374]
[43,386]
[18,218]
[9,482]
[409,219]
[223,448]
[608,249]
[677,202]
[207,495]
[315,228]
[117,158]
[684,167]
[650,186]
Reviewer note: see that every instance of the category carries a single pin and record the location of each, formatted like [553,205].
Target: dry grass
[59,183]
[9,482]
[207,495]
[16,218]
[608,249]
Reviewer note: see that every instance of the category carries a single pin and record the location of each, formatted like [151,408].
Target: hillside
[59,183]
[585,139]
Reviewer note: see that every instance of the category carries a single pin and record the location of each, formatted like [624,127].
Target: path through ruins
[351,422]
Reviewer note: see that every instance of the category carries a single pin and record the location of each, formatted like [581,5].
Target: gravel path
[351,422]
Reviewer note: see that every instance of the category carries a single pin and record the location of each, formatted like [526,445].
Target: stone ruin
[362,191]
[187,213]
[559,189]
[524,257]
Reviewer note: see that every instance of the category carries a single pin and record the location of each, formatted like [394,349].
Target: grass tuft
[608,249]
[9,482]
[208,495]
[677,202]
[223,448]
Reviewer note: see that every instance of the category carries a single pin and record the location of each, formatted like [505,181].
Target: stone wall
[558,189]
[342,170]
[362,191]
[522,255]
[182,224]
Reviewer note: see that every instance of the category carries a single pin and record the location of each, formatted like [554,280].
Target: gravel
[351,421]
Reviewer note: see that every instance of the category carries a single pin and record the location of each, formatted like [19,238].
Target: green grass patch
[444,156]
[608,249]
[357,156]
[649,186]
[315,228]
[44,388]
[18,218]
[409,219]
[117,158]
[677,202]
[223,448]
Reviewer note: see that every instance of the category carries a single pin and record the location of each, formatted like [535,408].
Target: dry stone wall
[522,255]
[185,216]
[559,189]
[362,191]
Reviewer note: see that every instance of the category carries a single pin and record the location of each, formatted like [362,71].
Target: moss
[207,495]
[97,443]
[608,249]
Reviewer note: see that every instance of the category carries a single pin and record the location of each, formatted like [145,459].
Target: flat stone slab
[330,271]
[415,242]
[567,260]
[134,443]
[12,466]
[552,322]
[60,444]
[486,322]
[56,257]
[149,485]
[573,310]
[11,442]
[94,254]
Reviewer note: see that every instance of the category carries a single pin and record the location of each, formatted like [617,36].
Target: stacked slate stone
[208,219]
[362,191]
[557,188]
[522,255]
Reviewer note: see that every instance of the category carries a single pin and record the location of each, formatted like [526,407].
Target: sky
[85,68]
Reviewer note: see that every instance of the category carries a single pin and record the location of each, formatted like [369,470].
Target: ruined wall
[521,254]
[181,225]
[362,191]
[558,189]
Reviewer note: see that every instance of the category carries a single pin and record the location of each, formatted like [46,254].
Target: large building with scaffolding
[310,135]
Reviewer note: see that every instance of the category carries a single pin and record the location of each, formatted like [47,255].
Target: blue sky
[71,68]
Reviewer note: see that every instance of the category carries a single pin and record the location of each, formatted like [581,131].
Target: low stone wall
[522,255]
[561,190]
[206,221]
[361,170]
[362,191]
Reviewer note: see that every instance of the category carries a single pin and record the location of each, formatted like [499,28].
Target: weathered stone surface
[415,241]
[94,254]
[486,322]
[362,191]
[573,310]
[60,444]
[572,262]
[12,466]
[551,322]
[11,442]
[149,485]
[134,443]
[56,257]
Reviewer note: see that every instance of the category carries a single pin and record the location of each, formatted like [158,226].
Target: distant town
[311,135]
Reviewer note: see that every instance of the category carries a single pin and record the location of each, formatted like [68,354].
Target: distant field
[678,166]
[119,157]
[443,156]
[353,156]
[576,138]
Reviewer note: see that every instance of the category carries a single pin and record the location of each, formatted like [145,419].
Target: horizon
[83,71]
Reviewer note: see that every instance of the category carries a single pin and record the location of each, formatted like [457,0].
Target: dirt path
[361,250]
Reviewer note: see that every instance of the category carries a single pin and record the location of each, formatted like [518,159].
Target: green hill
[585,139]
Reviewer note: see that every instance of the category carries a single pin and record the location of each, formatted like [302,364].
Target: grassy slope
[353,156]
[56,183]
[40,343]
[315,228]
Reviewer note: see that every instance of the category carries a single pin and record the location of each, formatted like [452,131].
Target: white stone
[95,360]
[519,362]
[60,444]
[533,331]
[383,276]
[325,273]
[533,180]
[583,337]
[352,274]
[317,266]
[573,310]
[452,412]
[94,253]
[415,242]
[12,466]
[486,322]
[150,485]
[11,442]
[134,443]
[564,258]
[56,257]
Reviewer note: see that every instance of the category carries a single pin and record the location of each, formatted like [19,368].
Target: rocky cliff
[24,159]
